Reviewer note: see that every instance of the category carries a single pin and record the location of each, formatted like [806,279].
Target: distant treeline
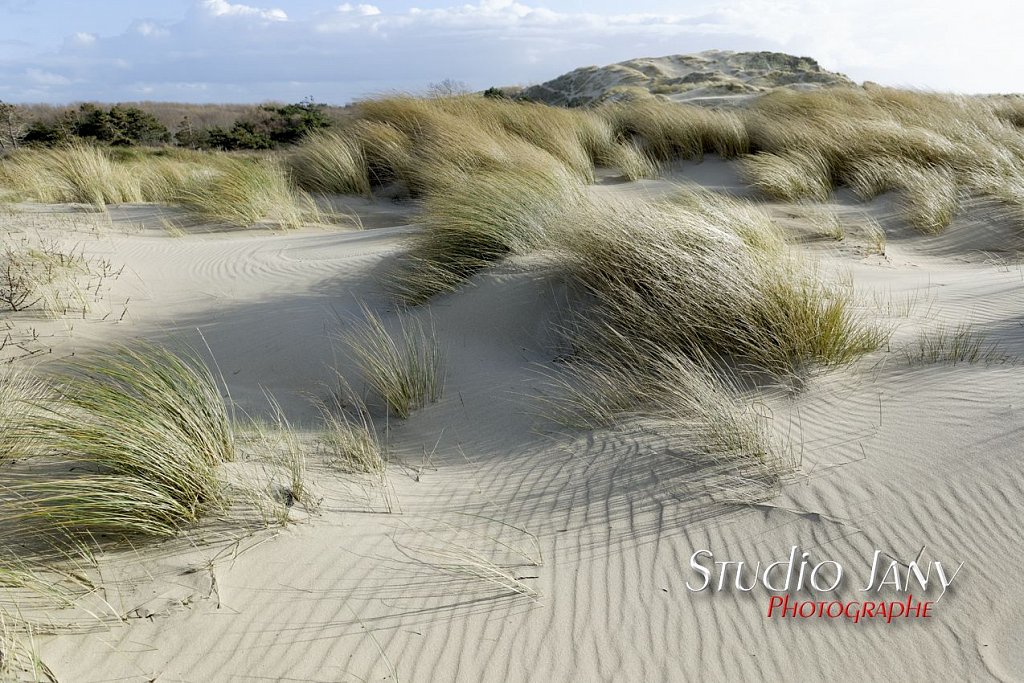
[215,126]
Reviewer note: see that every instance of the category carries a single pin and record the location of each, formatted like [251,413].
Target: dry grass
[75,174]
[668,131]
[706,279]
[143,432]
[419,143]
[791,176]
[331,163]
[958,345]
[351,443]
[243,192]
[406,369]
[480,219]
[933,149]
[19,392]
[222,188]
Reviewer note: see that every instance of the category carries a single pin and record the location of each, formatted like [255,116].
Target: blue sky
[255,50]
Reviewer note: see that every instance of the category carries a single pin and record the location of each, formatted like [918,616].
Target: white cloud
[82,38]
[222,8]
[45,78]
[150,29]
[231,51]
[362,10]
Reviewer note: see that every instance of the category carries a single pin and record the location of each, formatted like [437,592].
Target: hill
[713,74]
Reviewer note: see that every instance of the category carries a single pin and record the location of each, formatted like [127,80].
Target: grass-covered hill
[713,73]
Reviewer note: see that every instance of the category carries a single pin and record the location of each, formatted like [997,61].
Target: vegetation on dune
[331,163]
[667,131]
[143,432]
[75,174]
[405,369]
[136,442]
[242,191]
[708,278]
[406,139]
[228,189]
[480,219]
[932,149]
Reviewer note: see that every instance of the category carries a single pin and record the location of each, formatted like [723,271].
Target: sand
[501,548]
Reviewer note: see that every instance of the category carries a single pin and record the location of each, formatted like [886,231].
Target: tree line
[264,127]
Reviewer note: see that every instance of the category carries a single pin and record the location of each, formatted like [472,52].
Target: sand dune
[720,76]
[502,547]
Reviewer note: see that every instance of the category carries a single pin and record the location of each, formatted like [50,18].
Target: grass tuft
[330,163]
[143,430]
[405,370]
[243,192]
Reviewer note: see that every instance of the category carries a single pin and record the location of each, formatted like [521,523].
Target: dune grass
[667,131]
[243,191]
[19,659]
[682,309]
[790,176]
[706,278]
[222,188]
[596,391]
[955,346]
[75,174]
[142,430]
[350,443]
[932,149]
[331,163]
[406,369]
[418,143]
[19,393]
[482,218]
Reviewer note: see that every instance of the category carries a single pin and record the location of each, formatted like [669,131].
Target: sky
[62,51]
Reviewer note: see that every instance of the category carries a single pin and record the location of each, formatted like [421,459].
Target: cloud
[45,78]
[224,51]
[82,38]
[363,10]
[150,29]
[221,8]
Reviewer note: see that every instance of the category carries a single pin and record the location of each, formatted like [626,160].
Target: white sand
[597,530]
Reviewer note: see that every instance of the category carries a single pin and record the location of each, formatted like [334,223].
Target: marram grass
[480,219]
[331,163]
[705,278]
[242,192]
[405,369]
[141,433]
